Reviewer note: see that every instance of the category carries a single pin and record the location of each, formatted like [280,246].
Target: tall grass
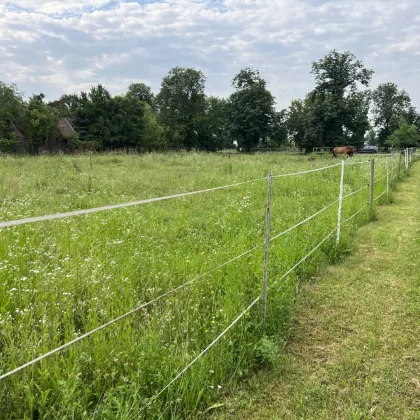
[62,278]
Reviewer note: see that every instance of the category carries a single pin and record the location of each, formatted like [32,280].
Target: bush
[8,145]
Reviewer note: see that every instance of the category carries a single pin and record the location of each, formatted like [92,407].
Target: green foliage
[153,132]
[371,138]
[269,351]
[181,103]
[212,128]
[405,136]
[66,105]
[181,116]
[278,129]
[337,110]
[250,109]
[296,122]
[117,122]
[12,108]
[389,105]
[8,144]
[40,122]
[141,92]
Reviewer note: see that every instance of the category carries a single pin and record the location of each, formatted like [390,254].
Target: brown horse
[344,150]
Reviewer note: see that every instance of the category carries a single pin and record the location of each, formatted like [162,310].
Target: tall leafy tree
[40,122]
[181,104]
[337,109]
[126,122]
[389,105]
[277,134]
[251,109]
[371,138]
[93,115]
[66,105]
[12,108]
[142,92]
[296,121]
[405,136]
[153,132]
[212,127]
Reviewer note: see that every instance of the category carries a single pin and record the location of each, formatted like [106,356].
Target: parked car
[368,150]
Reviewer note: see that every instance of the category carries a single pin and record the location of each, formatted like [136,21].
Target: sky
[58,47]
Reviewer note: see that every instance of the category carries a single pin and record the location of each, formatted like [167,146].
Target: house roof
[65,128]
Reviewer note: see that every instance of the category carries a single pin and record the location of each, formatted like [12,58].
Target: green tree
[296,121]
[141,92]
[405,136]
[389,105]
[356,117]
[371,138]
[153,132]
[337,109]
[277,135]
[92,116]
[212,126]
[40,122]
[250,109]
[181,105]
[126,123]
[66,105]
[12,108]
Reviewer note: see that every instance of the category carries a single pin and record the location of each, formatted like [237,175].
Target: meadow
[62,278]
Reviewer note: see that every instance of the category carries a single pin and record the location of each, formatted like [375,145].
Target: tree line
[341,109]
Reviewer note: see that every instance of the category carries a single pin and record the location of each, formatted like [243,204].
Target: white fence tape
[307,172]
[303,221]
[117,206]
[379,196]
[355,214]
[355,192]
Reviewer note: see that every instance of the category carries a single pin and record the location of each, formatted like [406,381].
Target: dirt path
[355,350]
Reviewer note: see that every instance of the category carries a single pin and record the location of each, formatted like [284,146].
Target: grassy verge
[354,352]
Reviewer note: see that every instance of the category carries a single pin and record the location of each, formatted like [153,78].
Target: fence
[393,170]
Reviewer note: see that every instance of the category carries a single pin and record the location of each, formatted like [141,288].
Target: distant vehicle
[368,150]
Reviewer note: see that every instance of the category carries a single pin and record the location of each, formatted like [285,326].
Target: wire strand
[355,192]
[306,172]
[119,318]
[355,214]
[379,196]
[303,221]
[230,326]
[116,206]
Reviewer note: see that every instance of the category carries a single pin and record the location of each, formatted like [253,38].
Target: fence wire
[125,315]
[379,196]
[307,172]
[355,214]
[231,325]
[118,206]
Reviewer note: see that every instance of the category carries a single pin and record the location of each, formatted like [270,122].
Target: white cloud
[58,46]
[49,7]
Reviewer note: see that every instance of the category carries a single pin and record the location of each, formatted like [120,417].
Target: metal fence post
[406,161]
[399,165]
[372,181]
[392,170]
[387,177]
[267,247]
[340,203]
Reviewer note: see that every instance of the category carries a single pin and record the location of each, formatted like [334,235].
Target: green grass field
[62,278]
